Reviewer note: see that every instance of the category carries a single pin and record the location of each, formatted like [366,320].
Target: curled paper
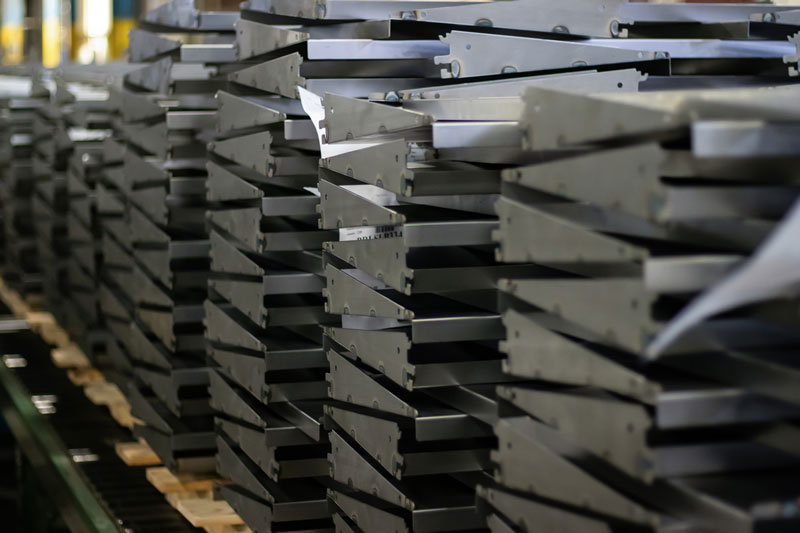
[312,105]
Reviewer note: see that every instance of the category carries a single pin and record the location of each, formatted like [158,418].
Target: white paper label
[367,233]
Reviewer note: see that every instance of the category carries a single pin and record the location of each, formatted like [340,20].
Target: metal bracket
[252,443]
[143,230]
[343,206]
[282,352]
[182,15]
[279,76]
[350,468]
[525,511]
[278,310]
[383,165]
[241,112]
[474,54]
[251,151]
[522,450]
[255,39]
[225,186]
[368,347]
[148,291]
[224,329]
[368,517]
[793,60]
[112,305]
[153,138]
[154,77]
[234,465]
[630,177]
[141,171]
[345,9]
[227,258]
[148,411]
[247,370]
[347,383]
[152,201]
[528,234]
[544,105]
[618,311]
[577,17]
[383,259]
[247,226]
[350,118]
[210,53]
[145,46]
[379,437]
[535,352]
[255,513]
[348,295]
[612,429]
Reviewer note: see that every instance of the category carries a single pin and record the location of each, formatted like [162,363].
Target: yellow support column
[51,33]
[124,20]
[11,33]
[119,36]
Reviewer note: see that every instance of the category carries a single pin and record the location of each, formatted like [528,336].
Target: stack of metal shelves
[52,149]
[605,433]
[87,119]
[115,277]
[115,283]
[14,85]
[635,411]
[265,306]
[409,180]
[415,362]
[159,246]
[440,265]
[21,265]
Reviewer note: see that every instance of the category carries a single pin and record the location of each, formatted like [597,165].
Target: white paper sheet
[312,105]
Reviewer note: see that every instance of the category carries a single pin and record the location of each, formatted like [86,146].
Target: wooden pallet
[168,483]
[215,516]
[85,376]
[136,453]
[48,328]
[69,356]
[192,496]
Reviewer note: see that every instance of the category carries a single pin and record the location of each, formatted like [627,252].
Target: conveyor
[69,443]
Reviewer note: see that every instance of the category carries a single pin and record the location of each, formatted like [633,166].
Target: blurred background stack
[21,264]
[159,244]
[87,120]
[52,149]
